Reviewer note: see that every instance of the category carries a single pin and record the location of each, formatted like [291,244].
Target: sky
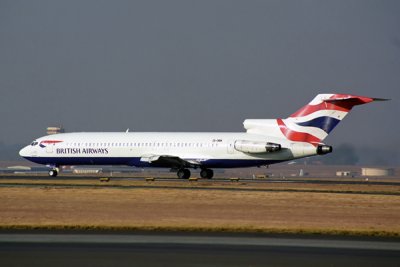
[196,65]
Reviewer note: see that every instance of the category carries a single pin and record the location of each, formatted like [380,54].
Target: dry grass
[166,208]
[292,186]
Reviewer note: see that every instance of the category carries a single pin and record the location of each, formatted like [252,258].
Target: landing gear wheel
[53,173]
[183,174]
[206,173]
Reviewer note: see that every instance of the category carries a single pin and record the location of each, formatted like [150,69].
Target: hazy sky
[195,65]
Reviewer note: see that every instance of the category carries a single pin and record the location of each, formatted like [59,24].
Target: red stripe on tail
[338,102]
[322,106]
[296,136]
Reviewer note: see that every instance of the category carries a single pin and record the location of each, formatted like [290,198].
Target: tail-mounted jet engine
[324,149]
[247,146]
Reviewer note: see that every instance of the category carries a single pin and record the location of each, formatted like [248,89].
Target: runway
[190,249]
[322,181]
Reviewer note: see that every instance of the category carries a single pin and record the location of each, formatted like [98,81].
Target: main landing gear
[183,173]
[204,173]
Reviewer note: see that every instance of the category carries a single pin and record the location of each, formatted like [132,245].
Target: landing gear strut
[206,173]
[183,174]
[53,172]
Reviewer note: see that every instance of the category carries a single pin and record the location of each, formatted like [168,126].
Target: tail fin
[313,122]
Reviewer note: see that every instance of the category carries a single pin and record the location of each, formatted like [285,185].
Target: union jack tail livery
[313,122]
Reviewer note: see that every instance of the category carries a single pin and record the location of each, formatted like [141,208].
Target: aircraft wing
[169,161]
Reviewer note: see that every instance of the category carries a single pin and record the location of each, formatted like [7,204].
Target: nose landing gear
[53,173]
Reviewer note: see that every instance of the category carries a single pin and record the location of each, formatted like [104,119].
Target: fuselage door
[50,148]
[230,147]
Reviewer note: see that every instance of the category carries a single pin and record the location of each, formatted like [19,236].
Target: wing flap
[169,161]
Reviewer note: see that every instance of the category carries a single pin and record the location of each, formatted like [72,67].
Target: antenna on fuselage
[127,130]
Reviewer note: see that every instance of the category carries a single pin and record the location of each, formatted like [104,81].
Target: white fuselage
[208,150]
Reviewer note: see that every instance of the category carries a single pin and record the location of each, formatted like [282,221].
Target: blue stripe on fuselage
[129,161]
[85,160]
[325,123]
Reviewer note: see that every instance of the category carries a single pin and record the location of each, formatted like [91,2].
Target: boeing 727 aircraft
[265,142]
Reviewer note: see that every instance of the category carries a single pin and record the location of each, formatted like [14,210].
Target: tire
[53,173]
[183,174]
[206,173]
[210,174]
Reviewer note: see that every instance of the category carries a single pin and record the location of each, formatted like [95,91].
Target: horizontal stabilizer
[351,100]
[381,99]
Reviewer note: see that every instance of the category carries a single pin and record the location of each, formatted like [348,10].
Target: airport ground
[82,221]
[311,205]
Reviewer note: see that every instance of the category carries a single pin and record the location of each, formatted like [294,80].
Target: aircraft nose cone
[23,152]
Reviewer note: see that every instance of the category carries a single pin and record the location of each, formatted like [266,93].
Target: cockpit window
[34,143]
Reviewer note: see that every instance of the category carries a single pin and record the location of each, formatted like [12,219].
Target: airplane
[265,142]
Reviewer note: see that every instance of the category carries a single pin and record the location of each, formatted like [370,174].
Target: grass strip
[238,230]
[69,185]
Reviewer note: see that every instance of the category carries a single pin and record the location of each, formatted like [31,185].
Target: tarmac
[189,249]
